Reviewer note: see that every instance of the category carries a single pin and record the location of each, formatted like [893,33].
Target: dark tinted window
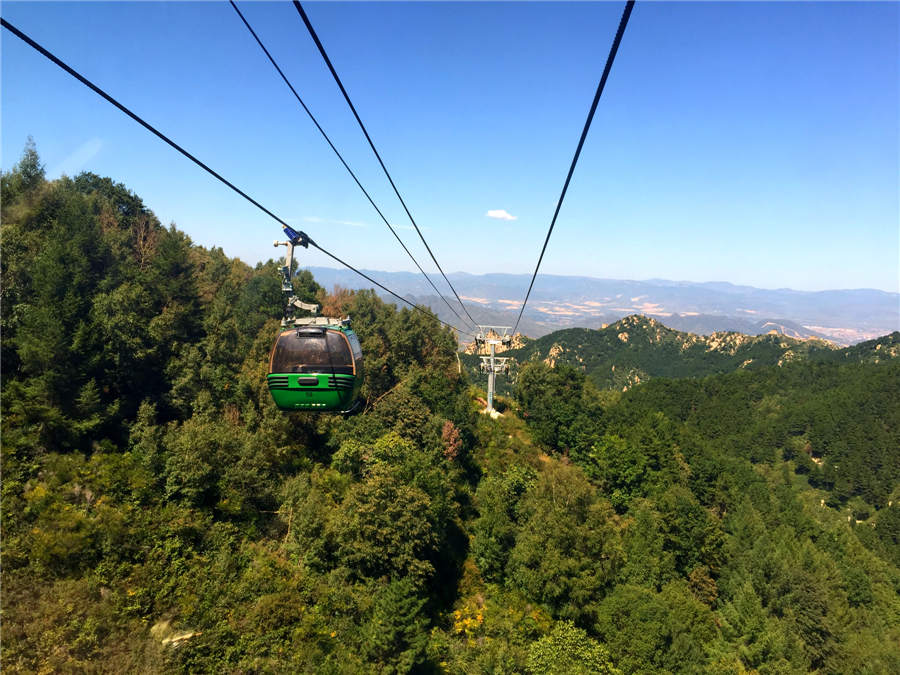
[357,354]
[339,349]
[311,352]
[354,344]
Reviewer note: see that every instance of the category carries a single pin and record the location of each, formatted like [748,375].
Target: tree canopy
[159,514]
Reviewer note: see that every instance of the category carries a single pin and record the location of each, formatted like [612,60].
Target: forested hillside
[636,348]
[160,515]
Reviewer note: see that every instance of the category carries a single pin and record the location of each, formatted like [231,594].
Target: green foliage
[637,348]
[648,631]
[726,486]
[25,177]
[567,551]
[560,409]
[383,530]
[145,465]
[160,515]
[568,649]
[494,531]
[396,635]
[489,632]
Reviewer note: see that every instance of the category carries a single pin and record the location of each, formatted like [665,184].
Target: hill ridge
[637,347]
[845,316]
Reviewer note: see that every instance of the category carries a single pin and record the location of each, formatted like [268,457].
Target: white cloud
[76,161]
[500,214]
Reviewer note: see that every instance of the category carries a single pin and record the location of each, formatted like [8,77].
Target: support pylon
[492,364]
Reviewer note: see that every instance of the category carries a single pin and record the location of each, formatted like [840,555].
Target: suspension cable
[340,157]
[340,85]
[587,125]
[78,76]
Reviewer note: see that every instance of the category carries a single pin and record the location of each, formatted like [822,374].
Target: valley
[842,316]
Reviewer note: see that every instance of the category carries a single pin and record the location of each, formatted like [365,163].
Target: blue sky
[754,143]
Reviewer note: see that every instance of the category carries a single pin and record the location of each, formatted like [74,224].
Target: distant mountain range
[637,348]
[842,316]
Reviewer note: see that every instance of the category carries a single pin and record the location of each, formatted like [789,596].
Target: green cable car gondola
[316,363]
[316,367]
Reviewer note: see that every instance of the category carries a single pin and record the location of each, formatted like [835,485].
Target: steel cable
[362,126]
[340,157]
[81,78]
[587,125]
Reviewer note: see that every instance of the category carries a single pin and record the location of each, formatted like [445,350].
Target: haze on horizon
[527,275]
[755,144]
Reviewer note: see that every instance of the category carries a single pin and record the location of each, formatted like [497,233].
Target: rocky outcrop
[516,342]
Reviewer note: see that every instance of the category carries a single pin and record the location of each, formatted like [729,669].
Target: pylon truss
[499,365]
[493,335]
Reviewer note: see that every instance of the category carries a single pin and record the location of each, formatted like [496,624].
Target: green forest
[159,514]
[636,348]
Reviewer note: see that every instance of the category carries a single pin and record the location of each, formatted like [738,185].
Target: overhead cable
[78,76]
[362,126]
[340,157]
[587,125]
